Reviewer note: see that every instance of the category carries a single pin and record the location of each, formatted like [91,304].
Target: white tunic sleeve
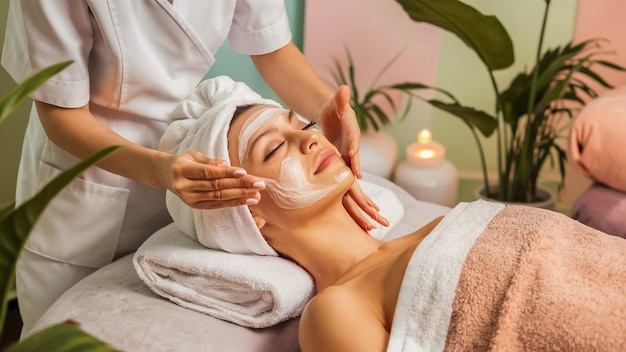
[259,27]
[50,32]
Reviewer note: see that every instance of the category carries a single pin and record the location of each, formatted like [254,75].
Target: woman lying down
[485,276]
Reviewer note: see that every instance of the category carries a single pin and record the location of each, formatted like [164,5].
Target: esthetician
[133,61]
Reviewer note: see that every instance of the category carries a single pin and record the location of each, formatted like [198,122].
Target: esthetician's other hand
[355,200]
[205,183]
[338,121]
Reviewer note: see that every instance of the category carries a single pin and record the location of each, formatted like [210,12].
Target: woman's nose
[310,141]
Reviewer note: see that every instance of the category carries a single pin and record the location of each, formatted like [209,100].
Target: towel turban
[201,122]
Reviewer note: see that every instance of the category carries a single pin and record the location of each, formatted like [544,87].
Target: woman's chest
[379,283]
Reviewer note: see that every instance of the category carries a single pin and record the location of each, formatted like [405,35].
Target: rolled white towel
[248,290]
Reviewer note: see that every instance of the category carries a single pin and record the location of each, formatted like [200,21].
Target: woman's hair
[240,110]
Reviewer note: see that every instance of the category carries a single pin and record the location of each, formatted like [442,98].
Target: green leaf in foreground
[9,102]
[15,226]
[63,337]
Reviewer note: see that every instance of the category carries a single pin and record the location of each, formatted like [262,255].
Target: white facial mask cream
[257,120]
[292,190]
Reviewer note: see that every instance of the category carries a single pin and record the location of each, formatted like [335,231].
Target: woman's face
[299,165]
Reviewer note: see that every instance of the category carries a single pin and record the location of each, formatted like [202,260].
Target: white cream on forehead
[292,189]
[257,120]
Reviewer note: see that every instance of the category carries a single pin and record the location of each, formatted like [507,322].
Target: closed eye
[273,151]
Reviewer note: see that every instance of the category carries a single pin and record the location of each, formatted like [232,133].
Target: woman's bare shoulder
[340,318]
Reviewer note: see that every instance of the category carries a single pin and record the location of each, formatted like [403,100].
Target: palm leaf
[10,102]
[483,34]
[63,337]
[484,122]
[15,226]
[411,88]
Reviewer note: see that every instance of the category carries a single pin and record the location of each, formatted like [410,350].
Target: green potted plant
[526,112]
[17,223]
[375,108]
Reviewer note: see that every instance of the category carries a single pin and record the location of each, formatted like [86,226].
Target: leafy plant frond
[484,122]
[61,337]
[368,113]
[10,102]
[16,225]
[483,34]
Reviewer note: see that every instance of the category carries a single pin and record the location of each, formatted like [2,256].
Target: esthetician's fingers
[363,203]
[366,204]
[207,183]
[249,198]
[340,126]
[353,209]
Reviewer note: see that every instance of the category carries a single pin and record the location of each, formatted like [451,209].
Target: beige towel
[537,281]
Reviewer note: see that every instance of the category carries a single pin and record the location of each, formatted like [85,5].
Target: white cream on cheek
[292,189]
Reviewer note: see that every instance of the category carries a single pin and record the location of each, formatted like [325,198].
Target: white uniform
[133,60]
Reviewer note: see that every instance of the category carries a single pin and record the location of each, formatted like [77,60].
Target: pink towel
[597,141]
[559,286]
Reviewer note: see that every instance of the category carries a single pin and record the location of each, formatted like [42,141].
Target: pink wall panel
[374,31]
[605,19]
[598,19]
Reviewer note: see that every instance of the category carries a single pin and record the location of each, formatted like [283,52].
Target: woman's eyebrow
[258,138]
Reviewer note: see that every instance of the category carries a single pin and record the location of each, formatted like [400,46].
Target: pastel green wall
[240,67]
[11,130]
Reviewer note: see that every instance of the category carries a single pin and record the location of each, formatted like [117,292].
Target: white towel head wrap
[201,122]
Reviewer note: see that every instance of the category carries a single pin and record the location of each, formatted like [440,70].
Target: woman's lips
[325,159]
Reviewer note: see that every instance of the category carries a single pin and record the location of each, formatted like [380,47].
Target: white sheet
[424,305]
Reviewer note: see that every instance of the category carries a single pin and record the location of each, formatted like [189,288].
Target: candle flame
[424,136]
[426,153]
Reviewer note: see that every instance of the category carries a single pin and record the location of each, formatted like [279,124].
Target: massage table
[114,305]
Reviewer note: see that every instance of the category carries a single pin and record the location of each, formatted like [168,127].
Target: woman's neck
[328,244]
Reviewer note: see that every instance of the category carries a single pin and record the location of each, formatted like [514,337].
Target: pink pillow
[597,141]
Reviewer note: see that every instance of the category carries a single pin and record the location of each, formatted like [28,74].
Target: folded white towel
[248,290]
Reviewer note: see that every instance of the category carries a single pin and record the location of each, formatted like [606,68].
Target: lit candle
[425,152]
[426,175]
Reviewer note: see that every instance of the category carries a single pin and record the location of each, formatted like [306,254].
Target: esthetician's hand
[338,121]
[355,200]
[205,183]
